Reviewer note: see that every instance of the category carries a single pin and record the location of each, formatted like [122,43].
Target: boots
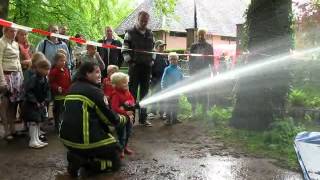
[74,163]
[39,135]
[33,143]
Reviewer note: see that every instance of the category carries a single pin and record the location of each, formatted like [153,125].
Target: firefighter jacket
[86,118]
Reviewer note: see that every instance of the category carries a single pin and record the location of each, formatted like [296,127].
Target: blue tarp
[307,146]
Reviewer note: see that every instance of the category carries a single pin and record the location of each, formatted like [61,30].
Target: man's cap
[159,43]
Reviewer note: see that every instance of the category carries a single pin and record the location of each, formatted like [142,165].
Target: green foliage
[166,7]
[297,98]
[185,109]
[88,17]
[220,115]
[314,102]
[199,113]
[304,98]
[282,132]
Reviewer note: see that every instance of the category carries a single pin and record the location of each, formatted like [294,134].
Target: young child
[29,72]
[37,95]
[172,74]
[121,99]
[160,63]
[106,84]
[27,75]
[60,81]
[92,56]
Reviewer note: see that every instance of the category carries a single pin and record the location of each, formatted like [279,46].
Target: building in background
[177,30]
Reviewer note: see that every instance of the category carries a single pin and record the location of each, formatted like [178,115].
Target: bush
[219,116]
[313,102]
[304,98]
[297,98]
[185,109]
[282,132]
[199,112]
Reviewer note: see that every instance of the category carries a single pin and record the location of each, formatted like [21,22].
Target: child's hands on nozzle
[129,113]
[131,118]
[60,89]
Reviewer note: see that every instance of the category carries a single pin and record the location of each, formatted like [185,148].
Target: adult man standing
[139,38]
[201,64]
[110,56]
[63,30]
[50,46]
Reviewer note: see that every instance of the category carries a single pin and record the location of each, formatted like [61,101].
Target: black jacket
[86,117]
[37,90]
[199,63]
[140,42]
[113,56]
[160,63]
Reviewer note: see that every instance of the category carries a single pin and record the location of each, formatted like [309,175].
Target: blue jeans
[124,132]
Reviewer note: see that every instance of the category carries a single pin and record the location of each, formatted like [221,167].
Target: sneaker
[150,116]
[74,163]
[147,124]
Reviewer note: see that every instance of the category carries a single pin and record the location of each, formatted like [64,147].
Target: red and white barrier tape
[83,41]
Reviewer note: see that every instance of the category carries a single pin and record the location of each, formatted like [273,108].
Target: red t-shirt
[120,97]
[59,77]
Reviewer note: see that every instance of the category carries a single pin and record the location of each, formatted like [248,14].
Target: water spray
[184,87]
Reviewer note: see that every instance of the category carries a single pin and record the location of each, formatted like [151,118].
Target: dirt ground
[182,151]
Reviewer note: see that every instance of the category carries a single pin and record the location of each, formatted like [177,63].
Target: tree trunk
[261,96]
[4,8]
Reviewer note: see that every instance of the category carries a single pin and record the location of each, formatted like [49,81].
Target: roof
[218,17]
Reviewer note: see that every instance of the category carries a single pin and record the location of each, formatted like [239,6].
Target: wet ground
[182,151]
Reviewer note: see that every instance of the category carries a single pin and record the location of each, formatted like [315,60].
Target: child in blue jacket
[172,75]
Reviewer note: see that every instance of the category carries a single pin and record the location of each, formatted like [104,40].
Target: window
[227,38]
[178,34]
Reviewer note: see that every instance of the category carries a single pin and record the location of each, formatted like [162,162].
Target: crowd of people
[87,91]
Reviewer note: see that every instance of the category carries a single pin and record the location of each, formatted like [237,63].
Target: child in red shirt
[60,81]
[122,98]
[106,84]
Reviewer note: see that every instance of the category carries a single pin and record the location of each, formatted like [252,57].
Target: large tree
[261,95]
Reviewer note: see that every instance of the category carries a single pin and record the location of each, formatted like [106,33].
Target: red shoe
[122,155]
[128,151]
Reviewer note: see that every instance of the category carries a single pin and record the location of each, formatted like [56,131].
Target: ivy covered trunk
[4,7]
[261,95]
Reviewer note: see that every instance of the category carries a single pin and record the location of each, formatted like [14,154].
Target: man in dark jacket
[110,56]
[203,65]
[84,129]
[139,38]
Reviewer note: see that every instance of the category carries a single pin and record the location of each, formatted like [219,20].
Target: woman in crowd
[11,79]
